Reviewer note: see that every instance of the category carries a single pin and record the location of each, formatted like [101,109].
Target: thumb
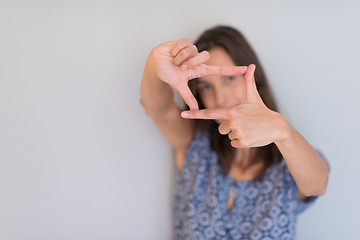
[252,94]
[188,97]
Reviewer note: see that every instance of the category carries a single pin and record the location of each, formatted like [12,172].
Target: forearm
[308,169]
[157,96]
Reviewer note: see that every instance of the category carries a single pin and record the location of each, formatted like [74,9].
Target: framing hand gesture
[250,124]
[177,62]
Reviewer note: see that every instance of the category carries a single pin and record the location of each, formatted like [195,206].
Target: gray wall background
[79,159]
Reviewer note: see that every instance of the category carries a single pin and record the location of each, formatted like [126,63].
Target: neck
[240,170]
[242,158]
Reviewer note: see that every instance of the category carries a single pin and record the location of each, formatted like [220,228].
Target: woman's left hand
[250,124]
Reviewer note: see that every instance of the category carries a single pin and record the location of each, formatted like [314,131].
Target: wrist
[284,130]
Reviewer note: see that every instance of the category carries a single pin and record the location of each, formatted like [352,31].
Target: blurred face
[221,91]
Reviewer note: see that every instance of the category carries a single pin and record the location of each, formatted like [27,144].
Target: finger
[225,71]
[188,97]
[220,113]
[205,70]
[252,93]
[232,135]
[185,54]
[180,44]
[238,143]
[196,60]
[225,128]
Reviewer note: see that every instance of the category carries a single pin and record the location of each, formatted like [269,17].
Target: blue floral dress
[265,209]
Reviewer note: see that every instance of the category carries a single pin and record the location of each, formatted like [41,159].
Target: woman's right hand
[177,62]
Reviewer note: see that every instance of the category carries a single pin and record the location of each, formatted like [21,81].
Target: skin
[233,102]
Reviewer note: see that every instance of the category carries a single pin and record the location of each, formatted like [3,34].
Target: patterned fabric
[265,209]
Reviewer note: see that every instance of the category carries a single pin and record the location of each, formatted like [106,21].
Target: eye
[229,78]
[204,87]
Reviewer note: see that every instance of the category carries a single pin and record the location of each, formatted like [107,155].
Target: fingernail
[184,114]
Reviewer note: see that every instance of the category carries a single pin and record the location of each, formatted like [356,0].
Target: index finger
[216,113]
[226,71]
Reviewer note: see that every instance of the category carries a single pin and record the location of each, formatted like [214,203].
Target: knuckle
[231,113]
[183,42]
[221,70]
[177,45]
[187,41]
[190,62]
[236,133]
[191,74]
[203,71]
[184,53]
[231,125]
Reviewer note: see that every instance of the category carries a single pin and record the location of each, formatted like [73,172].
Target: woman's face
[221,91]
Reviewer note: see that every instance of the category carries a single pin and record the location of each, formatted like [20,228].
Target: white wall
[79,159]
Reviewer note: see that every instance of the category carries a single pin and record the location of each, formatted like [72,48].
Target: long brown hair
[234,43]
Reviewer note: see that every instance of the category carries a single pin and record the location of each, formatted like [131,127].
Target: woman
[243,172]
